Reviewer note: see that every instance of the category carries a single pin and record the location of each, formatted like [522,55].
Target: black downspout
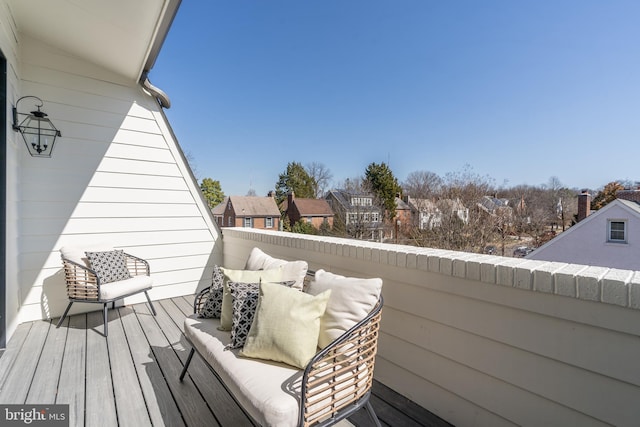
[3,201]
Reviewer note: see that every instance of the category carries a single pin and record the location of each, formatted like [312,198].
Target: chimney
[271,193]
[584,205]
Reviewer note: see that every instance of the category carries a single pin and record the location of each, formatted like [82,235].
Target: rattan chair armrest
[134,268]
[79,277]
[80,266]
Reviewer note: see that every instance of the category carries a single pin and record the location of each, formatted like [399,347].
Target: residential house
[403,218]
[361,217]
[608,237]
[248,211]
[425,215]
[316,212]
[116,173]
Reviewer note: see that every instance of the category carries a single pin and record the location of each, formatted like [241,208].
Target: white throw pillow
[292,270]
[350,302]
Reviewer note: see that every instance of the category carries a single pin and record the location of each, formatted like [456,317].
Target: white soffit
[115,34]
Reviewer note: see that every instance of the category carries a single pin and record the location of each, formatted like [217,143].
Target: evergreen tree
[303,227]
[606,195]
[295,179]
[212,191]
[380,181]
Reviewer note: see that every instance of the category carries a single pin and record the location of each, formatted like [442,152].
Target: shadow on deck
[131,378]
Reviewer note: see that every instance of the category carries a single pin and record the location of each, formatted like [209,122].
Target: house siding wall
[586,243]
[116,175]
[484,340]
[9,47]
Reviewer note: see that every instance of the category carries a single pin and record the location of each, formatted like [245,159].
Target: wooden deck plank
[385,397]
[71,387]
[224,406]
[162,409]
[99,399]
[193,408]
[140,362]
[130,402]
[45,381]
[13,352]
[20,379]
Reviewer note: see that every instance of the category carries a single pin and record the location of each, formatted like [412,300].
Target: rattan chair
[84,285]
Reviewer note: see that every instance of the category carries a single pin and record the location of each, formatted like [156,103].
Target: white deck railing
[487,340]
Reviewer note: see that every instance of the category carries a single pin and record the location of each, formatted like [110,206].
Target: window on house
[309,220]
[617,231]
[229,221]
[248,222]
[268,222]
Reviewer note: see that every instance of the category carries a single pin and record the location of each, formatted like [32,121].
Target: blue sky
[520,91]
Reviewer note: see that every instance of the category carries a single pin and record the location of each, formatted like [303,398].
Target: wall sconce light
[38,132]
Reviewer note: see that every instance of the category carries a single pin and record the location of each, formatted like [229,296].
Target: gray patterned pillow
[212,307]
[110,266]
[245,302]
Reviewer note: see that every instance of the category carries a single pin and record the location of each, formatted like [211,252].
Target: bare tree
[322,176]
[352,185]
[422,184]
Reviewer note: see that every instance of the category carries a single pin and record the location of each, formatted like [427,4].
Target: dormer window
[617,231]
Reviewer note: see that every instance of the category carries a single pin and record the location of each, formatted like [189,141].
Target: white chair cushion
[114,290]
[291,270]
[257,385]
[77,253]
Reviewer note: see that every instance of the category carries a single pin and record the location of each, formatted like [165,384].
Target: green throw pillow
[286,325]
[242,276]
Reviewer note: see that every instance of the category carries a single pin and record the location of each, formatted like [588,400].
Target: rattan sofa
[336,382]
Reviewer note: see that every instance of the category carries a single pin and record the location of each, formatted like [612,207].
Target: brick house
[248,211]
[314,211]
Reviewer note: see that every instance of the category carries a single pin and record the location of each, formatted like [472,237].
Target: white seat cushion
[259,386]
[77,253]
[114,290]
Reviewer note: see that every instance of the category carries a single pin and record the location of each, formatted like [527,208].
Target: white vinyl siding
[116,175]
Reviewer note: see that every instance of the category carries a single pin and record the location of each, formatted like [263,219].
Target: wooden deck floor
[131,378]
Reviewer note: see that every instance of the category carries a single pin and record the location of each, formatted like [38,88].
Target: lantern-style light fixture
[38,132]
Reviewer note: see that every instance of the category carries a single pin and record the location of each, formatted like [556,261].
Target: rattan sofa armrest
[200,299]
[337,380]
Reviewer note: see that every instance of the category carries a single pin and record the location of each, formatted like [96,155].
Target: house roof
[315,207]
[122,36]
[422,205]
[220,207]
[632,207]
[254,206]
[401,205]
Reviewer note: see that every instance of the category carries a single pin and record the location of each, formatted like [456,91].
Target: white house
[116,173]
[609,237]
